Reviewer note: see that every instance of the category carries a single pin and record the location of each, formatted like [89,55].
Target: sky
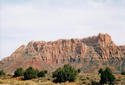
[24,20]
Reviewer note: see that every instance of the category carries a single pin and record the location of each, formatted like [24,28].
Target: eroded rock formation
[89,54]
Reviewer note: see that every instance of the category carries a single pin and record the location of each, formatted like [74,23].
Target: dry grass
[17,82]
[82,79]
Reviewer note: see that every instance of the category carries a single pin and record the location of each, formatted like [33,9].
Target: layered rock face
[89,54]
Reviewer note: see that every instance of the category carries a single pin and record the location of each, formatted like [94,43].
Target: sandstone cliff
[89,54]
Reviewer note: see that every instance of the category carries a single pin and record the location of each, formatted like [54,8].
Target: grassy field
[82,79]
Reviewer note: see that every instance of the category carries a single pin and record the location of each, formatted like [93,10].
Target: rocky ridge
[88,54]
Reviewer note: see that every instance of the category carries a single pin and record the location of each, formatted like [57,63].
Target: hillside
[88,54]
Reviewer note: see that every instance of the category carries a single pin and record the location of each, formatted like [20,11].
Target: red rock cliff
[80,52]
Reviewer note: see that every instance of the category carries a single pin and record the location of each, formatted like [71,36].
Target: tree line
[63,74]
[66,73]
[29,73]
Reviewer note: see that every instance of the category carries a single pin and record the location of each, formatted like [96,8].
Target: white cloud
[51,20]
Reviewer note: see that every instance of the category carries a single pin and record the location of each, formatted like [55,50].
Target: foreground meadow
[82,79]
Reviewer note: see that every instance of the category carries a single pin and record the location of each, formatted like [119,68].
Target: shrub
[2,73]
[100,71]
[122,73]
[46,71]
[37,71]
[79,70]
[19,72]
[67,73]
[30,73]
[107,77]
[42,73]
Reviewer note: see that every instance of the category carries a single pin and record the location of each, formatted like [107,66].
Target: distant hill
[88,54]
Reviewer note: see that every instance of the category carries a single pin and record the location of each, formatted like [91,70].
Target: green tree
[42,74]
[100,71]
[30,73]
[19,72]
[46,71]
[2,73]
[106,76]
[67,73]
[79,70]
[122,73]
[103,78]
[37,71]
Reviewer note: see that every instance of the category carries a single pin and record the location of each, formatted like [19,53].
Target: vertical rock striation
[89,54]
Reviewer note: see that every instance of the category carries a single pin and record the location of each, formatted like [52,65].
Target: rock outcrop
[89,54]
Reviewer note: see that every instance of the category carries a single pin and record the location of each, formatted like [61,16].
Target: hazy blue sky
[26,20]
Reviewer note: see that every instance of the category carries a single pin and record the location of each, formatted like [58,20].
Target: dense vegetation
[30,73]
[106,76]
[2,73]
[42,73]
[100,71]
[19,72]
[79,70]
[123,73]
[67,73]
[61,75]
[34,73]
